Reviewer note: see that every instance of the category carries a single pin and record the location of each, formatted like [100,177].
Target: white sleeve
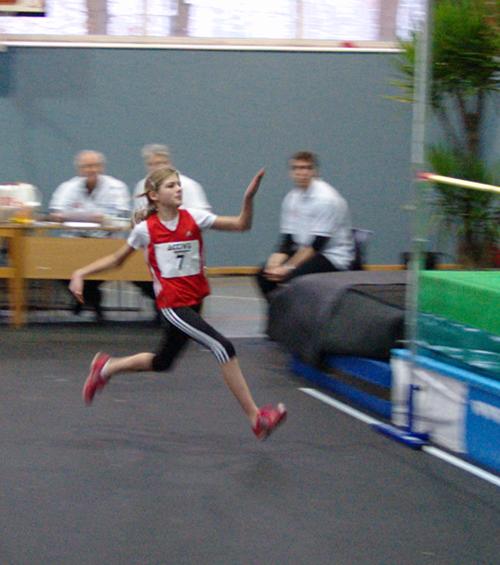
[139,236]
[286,224]
[327,214]
[142,202]
[193,195]
[122,198]
[203,218]
[59,199]
[112,197]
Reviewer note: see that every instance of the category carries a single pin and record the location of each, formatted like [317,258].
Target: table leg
[16,283]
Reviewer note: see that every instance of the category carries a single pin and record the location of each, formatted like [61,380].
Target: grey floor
[234,306]
[163,469]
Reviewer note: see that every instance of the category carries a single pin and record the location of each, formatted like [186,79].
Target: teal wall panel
[224,114]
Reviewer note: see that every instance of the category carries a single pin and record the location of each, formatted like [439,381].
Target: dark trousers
[91,295]
[317,264]
[146,288]
[181,325]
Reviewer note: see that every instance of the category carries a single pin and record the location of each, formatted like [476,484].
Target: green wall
[224,114]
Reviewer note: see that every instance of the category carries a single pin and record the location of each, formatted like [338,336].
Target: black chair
[360,237]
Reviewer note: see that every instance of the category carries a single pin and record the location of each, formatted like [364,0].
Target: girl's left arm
[103,264]
[243,222]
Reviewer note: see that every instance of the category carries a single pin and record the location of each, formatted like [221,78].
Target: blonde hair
[152,184]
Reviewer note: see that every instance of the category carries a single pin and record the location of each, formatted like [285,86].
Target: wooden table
[13,272]
[32,254]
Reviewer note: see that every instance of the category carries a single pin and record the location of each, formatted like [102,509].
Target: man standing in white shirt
[91,196]
[316,232]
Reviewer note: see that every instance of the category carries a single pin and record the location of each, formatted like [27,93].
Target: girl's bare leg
[263,421]
[132,363]
[237,384]
[103,367]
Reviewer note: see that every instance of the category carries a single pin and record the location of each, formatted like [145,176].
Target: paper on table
[82,225]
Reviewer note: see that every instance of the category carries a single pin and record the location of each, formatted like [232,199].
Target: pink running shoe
[268,420]
[95,381]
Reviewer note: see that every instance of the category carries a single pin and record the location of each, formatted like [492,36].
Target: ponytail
[152,184]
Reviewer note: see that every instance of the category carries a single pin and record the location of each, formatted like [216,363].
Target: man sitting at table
[93,197]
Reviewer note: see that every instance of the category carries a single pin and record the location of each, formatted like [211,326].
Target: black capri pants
[186,323]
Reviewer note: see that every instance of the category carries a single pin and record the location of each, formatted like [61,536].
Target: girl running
[173,244]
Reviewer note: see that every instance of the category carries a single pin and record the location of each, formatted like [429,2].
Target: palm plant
[465,67]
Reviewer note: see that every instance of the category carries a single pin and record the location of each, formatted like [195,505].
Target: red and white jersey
[174,252]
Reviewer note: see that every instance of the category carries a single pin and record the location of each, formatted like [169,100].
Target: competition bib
[178,258]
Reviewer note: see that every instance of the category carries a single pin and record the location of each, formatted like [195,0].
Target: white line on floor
[340,405]
[481,473]
[460,463]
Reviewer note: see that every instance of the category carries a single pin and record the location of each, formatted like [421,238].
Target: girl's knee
[160,364]
[229,349]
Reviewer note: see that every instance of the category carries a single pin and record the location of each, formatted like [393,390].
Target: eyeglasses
[302,167]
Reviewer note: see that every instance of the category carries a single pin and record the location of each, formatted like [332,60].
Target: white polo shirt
[110,197]
[193,195]
[319,210]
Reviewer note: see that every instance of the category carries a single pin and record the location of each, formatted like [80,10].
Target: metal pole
[421,87]
[407,434]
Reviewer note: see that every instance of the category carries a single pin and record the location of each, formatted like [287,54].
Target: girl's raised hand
[253,187]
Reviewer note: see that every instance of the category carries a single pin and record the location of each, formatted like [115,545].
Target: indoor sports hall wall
[224,114]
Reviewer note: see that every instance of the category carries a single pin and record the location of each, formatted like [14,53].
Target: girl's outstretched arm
[103,264]
[242,222]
